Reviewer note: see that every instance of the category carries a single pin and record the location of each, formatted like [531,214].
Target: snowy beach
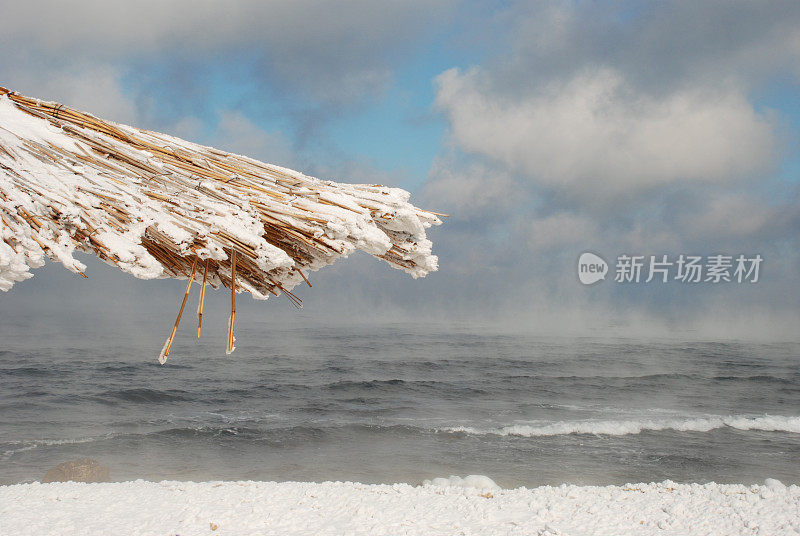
[288,508]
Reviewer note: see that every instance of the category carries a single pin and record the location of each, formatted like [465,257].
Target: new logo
[591,268]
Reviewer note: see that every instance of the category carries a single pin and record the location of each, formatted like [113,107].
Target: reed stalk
[162,357]
[202,300]
[232,320]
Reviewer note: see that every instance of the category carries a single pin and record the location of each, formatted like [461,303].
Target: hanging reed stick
[231,348]
[304,277]
[162,357]
[202,300]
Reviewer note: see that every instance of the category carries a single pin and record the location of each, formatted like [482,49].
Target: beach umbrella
[157,206]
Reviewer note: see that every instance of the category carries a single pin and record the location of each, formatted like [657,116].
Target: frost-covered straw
[152,204]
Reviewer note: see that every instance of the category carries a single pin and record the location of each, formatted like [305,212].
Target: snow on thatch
[158,206]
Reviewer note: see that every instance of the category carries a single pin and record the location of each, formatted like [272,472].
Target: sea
[396,402]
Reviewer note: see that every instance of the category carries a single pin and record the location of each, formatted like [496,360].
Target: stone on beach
[83,470]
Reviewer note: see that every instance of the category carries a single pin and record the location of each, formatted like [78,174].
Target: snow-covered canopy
[152,204]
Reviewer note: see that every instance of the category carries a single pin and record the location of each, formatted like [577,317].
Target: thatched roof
[159,206]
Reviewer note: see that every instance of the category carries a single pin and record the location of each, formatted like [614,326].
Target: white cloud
[473,192]
[736,215]
[562,231]
[188,128]
[95,88]
[237,134]
[151,25]
[597,134]
[334,51]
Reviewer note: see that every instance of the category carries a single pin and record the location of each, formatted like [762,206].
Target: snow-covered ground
[444,506]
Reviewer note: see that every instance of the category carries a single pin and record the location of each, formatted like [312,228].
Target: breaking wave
[766,423]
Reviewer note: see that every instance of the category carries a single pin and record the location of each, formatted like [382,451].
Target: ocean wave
[241,430]
[398,385]
[24,445]
[766,423]
[144,395]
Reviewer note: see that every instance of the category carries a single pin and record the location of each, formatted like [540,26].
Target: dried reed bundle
[157,206]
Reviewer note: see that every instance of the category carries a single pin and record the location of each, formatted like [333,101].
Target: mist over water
[397,403]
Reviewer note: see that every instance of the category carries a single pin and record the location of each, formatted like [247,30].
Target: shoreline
[250,507]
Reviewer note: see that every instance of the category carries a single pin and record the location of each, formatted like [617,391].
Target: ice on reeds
[162,357]
[152,205]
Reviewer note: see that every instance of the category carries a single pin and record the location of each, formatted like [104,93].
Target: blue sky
[545,129]
[395,130]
